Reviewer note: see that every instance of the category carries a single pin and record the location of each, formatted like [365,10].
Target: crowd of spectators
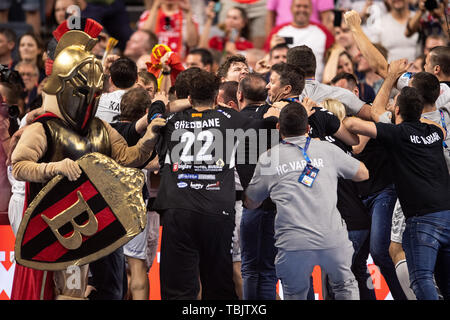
[273,51]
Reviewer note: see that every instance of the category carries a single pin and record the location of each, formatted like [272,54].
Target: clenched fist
[352,19]
[153,131]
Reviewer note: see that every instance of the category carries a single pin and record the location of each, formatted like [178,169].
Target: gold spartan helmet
[76,78]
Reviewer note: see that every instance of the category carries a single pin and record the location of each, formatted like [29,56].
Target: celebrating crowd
[274,136]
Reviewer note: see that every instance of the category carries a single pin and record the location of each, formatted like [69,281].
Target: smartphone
[289,40]
[337,18]
[217,5]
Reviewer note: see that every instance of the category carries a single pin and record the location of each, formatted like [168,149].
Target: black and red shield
[77,222]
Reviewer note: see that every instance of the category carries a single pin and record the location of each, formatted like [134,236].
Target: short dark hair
[253,87]
[9,34]
[203,88]
[410,104]
[123,73]
[134,103]
[205,56]
[224,67]
[182,82]
[351,79]
[290,75]
[148,77]
[293,120]
[278,47]
[427,85]
[302,57]
[230,89]
[440,56]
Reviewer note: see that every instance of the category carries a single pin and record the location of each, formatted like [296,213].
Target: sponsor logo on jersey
[213,186]
[190,176]
[196,186]
[220,163]
[175,167]
[182,184]
[184,166]
[194,176]
[197,115]
[226,114]
[208,168]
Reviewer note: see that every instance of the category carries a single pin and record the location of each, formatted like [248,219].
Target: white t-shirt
[318,92]
[314,36]
[391,35]
[444,97]
[109,105]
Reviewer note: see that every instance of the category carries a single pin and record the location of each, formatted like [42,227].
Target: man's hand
[398,67]
[353,20]
[263,66]
[308,104]
[276,39]
[153,130]
[108,62]
[275,110]
[34,114]
[163,61]
[161,95]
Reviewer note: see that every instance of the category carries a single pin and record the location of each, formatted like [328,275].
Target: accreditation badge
[308,175]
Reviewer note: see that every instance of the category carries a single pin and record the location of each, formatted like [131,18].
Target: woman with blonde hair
[335,107]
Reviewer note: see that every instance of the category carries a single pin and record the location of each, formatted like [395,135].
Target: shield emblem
[77,222]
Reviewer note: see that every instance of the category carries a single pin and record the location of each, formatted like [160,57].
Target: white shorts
[137,247]
[398,223]
[237,231]
[152,236]
[15,211]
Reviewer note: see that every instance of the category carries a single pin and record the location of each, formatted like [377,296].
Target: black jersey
[197,153]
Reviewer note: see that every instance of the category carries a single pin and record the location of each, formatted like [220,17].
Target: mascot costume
[81,204]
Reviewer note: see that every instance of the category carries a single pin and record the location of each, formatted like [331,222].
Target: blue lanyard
[443,125]
[303,150]
[291,99]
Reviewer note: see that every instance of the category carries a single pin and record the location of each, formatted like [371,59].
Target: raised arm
[396,69]
[192,36]
[413,24]
[330,69]
[150,23]
[362,127]
[210,15]
[368,50]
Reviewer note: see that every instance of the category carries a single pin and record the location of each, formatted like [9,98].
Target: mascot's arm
[30,148]
[136,155]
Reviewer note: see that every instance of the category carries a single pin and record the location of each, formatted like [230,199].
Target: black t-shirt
[419,170]
[253,149]
[376,159]
[198,162]
[323,123]
[128,131]
[350,206]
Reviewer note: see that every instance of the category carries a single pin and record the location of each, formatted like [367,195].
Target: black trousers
[109,277]
[196,247]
